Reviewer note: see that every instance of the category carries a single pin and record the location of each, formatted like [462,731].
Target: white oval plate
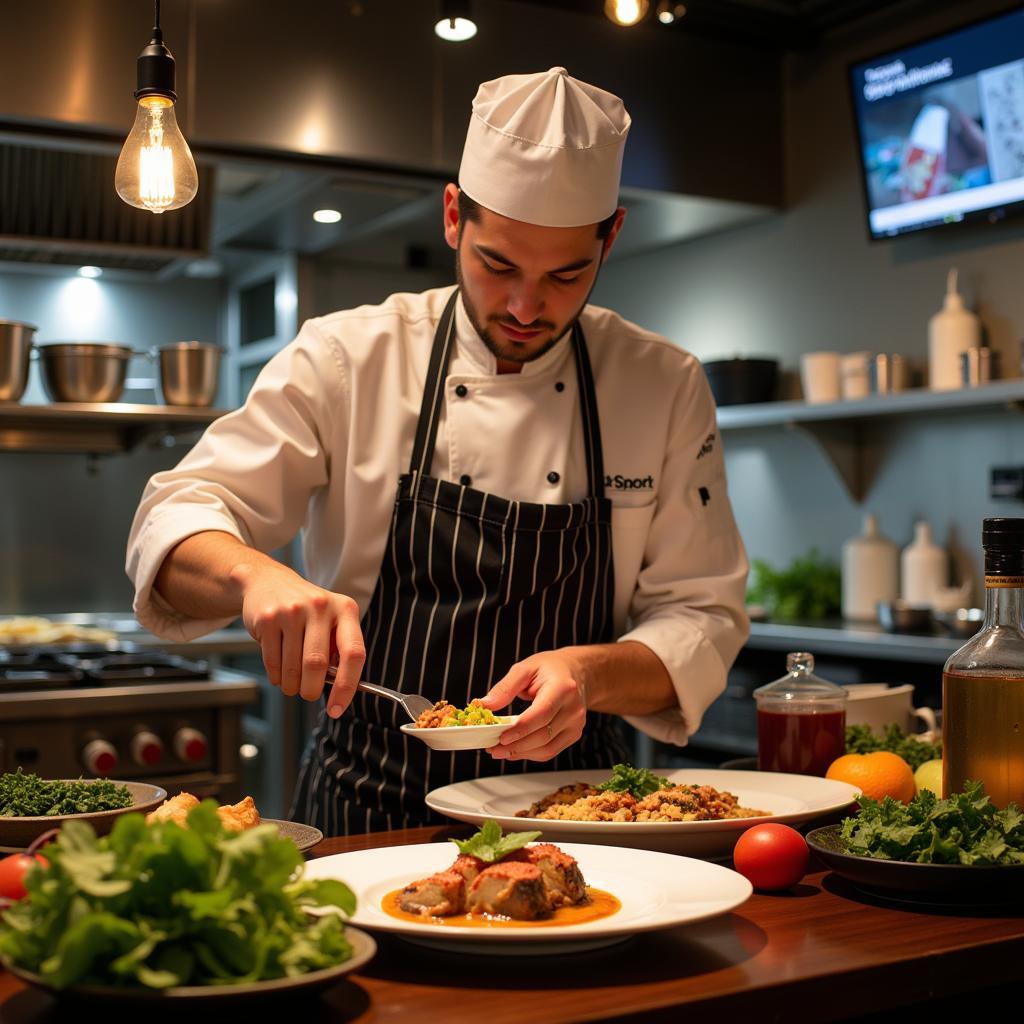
[462,737]
[792,799]
[656,891]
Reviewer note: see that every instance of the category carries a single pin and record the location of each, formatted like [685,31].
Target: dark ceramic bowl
[742,381]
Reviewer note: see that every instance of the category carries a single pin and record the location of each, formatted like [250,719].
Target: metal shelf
[838,428]
[99,428]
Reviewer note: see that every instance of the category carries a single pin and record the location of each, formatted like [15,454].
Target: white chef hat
[545,149]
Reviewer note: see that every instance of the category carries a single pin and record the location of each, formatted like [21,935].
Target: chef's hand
[555,718]
[302,629]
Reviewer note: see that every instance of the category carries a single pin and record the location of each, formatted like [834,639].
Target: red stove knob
[99,757]
[190,745]
[147,748]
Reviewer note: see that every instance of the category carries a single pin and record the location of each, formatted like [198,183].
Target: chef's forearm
[201,576]
[625,678]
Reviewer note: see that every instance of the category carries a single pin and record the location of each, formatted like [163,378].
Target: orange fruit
[877,775]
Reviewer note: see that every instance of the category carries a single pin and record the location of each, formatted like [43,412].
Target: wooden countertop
[820,952]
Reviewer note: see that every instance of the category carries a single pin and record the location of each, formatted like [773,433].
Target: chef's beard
[507,350]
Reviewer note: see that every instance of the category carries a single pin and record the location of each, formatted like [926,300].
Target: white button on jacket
[328,428]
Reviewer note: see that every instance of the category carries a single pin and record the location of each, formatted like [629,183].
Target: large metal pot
[15,352]
[84,371]
[188,372]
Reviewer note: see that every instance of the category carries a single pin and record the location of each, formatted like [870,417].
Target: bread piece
[176,809]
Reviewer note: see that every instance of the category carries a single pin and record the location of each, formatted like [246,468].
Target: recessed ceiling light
[626,12]
[327,216]
[90,272]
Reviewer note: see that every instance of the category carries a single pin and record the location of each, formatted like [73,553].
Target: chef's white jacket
[328,427]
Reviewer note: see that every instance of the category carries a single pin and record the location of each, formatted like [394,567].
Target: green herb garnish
[965,828]
[640,782]
[159,905]
[861,740]
[24,794]
[490,845]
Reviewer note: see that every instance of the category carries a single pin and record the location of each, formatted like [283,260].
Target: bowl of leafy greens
[158,912]
[958,850]
[30,806]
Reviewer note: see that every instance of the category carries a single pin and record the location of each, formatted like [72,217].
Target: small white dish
[462,737]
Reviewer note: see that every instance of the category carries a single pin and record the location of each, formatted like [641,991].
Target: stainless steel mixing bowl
[188,372]
[15,352]
[84,371]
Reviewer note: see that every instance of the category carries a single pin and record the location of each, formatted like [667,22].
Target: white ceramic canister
[954,329]
[871,572]
[925,568]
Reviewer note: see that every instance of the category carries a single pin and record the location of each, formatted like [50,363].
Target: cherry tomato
[771,856]
[12,873]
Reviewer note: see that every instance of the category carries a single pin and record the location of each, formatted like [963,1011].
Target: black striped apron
[469,585]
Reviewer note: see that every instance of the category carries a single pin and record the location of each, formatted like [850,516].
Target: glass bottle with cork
[983,682]
[801,720]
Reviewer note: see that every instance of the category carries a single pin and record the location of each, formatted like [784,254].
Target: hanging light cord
[157,34]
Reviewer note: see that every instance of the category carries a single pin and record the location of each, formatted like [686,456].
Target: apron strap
[433,390]
[588,408]
[433,398]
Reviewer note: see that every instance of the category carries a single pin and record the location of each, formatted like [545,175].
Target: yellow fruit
[929,776]
[877,775]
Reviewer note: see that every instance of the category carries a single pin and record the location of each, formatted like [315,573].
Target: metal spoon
[412,703]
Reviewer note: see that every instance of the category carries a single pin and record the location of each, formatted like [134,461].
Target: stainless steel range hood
[58,207]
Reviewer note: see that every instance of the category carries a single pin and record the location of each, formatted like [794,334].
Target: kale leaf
[965,828]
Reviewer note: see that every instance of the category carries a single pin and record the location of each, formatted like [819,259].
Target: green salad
[24,794]
[158,905]
[965,828]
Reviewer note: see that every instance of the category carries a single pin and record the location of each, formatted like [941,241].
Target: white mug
[855,375]
[819,375]
[879,705]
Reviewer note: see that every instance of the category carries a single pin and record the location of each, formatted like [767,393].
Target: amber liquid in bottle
[983,687]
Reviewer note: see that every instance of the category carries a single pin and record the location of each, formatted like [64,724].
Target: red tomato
[12,873]
[771,856]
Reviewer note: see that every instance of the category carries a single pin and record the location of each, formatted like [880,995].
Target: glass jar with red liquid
[801,720]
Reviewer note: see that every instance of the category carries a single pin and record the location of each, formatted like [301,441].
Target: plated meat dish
[234,817]
[443,715]
[526,885]
[583,802]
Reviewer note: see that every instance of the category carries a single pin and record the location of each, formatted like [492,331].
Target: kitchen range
[121,711]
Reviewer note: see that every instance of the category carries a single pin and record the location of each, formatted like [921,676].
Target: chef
[503,492]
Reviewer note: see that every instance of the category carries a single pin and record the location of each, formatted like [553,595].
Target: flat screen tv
[941,127]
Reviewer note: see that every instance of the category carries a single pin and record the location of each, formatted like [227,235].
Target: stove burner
[149,666]
[39,669]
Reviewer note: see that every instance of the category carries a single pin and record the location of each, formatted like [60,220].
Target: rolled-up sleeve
[251,474]
[688,606]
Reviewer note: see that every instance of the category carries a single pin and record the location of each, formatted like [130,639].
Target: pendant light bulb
[456,23]
[626,12]
[155,170]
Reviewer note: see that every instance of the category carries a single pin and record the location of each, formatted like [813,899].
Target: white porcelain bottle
[951,331]
[871,572]
[925,567]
